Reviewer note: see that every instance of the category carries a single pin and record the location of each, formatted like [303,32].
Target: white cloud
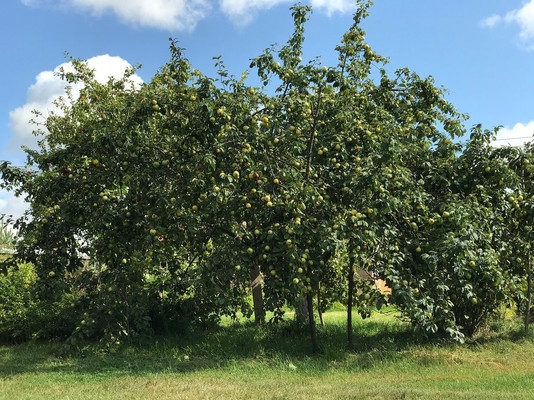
[523,17]
[184,15]
[243,11]
[332,6]
[11,205]
[516,136]
[41,94]
[48,87]
[106,66]
[491,21]
[171,15]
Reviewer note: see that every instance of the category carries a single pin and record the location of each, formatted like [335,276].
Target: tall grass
[243,361]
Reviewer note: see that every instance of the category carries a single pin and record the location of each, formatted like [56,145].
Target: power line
[514,138]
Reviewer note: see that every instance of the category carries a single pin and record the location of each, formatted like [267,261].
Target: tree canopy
[160,205]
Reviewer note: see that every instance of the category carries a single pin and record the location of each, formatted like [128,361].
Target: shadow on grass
[238,346]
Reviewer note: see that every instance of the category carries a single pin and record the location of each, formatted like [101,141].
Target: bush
[15,299]
[23,316]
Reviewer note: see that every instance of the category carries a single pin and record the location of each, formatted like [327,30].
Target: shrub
[15,299]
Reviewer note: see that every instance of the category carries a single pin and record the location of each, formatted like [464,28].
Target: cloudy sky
[482,51]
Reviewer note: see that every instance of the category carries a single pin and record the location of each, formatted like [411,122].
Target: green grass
[241,361]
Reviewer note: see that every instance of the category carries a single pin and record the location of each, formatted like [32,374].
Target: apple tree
[518,233]
[456,274]
[124,205]
[173,201]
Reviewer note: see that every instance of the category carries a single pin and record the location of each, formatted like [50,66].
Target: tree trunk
[350,297]
[311,322]
[257,295]
[319,311]
[529,294]
[301,311]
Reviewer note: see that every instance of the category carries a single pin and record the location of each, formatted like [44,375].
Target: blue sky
[482,51]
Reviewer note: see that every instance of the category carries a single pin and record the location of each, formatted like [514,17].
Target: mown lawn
[243,362]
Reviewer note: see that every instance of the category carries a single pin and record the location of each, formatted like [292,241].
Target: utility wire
[514,138]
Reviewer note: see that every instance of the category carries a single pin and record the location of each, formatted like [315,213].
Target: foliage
[15,300]
[152,207]
[456,273]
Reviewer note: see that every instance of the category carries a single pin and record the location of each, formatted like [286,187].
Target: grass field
[248,362]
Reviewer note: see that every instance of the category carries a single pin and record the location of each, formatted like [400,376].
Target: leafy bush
[15,299]
[23,315]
